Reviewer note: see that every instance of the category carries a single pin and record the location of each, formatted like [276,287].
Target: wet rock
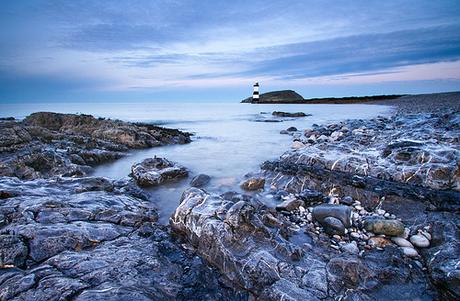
[288,114]
[200,180]
[333,225]
[289,205]
[311,196]
[13,251]
[156,171]
[348,200]
[253,184]
[384,226]
[297,145]
[340,212]
[104,246]
[420,241]
[291,129]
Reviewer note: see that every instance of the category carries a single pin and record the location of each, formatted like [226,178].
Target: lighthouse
[255,93]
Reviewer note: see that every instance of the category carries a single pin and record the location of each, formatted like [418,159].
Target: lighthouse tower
[255,94]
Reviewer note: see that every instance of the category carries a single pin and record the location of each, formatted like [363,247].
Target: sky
[85,51]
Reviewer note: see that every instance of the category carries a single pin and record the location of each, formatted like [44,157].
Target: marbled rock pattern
[90,239]
[258,250]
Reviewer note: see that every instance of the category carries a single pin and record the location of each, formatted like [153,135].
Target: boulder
[340,212]
[156,171]
[200,180]
[420,241]
[333,226]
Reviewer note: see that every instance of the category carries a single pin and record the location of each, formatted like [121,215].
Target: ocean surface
[230,139]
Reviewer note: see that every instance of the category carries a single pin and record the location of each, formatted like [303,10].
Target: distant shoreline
[335,100]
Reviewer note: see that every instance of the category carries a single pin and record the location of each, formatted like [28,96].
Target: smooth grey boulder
[200,180]
[340,212]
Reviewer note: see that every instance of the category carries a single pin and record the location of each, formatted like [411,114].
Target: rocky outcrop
[156,171]
[400,176]
[257,249]
[93,239]
[48,144]
[283,96]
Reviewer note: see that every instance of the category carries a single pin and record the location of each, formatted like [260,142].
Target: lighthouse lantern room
[255,93]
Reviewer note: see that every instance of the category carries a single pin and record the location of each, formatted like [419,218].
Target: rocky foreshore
[48,144]
[357,210]
[365,210]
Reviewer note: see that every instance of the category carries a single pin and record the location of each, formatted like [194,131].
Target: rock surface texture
[47,144]
[94,240]
[259,251]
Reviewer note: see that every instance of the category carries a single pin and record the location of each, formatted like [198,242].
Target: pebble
[301,209]
[386,215]
[309,217]
[408,251]
[359,207]
[406,233]
[335,247]
[336,237]
[419,241]
[355,235]
[426,234]
[351,248]
[402,242]
[380,211]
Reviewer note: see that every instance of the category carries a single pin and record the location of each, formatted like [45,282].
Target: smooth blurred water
[227,141]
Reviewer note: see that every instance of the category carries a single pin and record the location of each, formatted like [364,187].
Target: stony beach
[356,210]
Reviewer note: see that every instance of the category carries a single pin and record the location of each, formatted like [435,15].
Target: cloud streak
[99,46]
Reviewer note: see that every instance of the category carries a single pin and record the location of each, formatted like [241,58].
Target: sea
[230,140]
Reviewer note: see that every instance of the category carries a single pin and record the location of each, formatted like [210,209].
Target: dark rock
[287,114]
[333,226]
[156,171]
[340,212]
[253,184]
[200,180]
[78,253]
[13,251]
[348,200]
[311,196]
[291,129]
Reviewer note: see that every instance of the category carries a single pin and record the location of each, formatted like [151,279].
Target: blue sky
[214,50]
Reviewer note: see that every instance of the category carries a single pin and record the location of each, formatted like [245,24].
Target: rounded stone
[402,242]
[408,251]
[200,180]
[385,226]
[333,226]
[419,241]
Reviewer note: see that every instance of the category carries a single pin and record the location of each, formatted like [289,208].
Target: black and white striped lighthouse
[255,93]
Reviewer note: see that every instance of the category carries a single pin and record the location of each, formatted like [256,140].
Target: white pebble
[402,242]
[408,251]
[419,241]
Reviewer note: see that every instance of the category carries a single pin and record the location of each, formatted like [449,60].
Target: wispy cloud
[159,45]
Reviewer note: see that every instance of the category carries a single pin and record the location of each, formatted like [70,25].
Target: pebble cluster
[360,236]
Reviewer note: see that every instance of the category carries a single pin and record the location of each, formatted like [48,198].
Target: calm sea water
[229,139]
